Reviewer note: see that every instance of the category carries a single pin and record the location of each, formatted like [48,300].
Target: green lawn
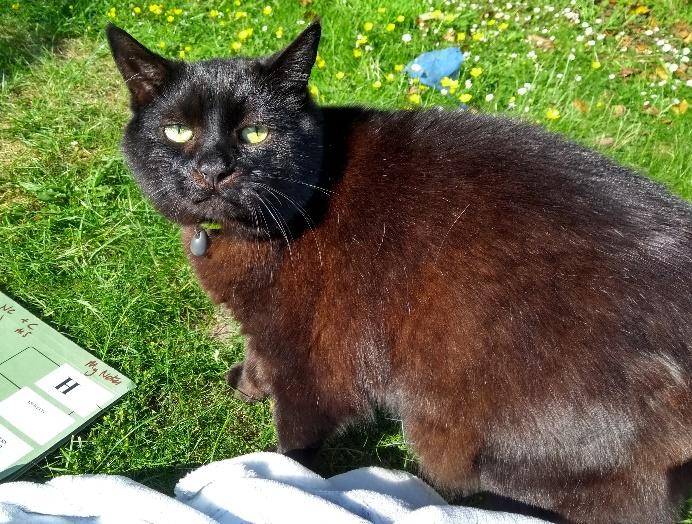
[82,249]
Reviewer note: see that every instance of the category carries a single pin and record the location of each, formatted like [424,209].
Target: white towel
[255,488]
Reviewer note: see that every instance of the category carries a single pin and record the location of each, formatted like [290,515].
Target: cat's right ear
[294,63]
[144,71]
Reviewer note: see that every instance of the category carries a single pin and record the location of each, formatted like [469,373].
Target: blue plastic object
[433,66]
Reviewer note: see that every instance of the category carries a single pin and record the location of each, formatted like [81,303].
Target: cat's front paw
[243,385]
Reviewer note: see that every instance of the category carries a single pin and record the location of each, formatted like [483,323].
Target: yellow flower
[320,62]
[503,26]
[465,97]
[279,33]
[240,14]
[400,18]
[236,46]
[376,84]
[390,77]
[492,22]
[478,36]
[245,34]
[314,91]
[170,19]
[236,3]
[449,17]
[162,44]
[340,75]
[267,10]
[213,13]
[552,114]
[111,12]
[476,72]
[188,48]
[155,9]
[681,108]
[357,53]
[641,10]
[181,53]
[177,11]
[137,10]
[595,64]
[399,68]
[390,27]
[461,37]
[367,26]
[362,39]
[414,98]
[15,6]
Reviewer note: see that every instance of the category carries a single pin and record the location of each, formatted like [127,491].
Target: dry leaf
[304,2]
[605,141]
[641,47]
[619,110]
[681,29]
[628,71]
[651,110]
[450,35]
[581,105]
[541,42]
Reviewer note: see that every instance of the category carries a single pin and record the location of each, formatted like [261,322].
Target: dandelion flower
[240,14]
[390,27]
[236,46]
[595,64]
[340,75]
[267,10]
[162,44]
[477,37]
[245,33]
[552,114]
[399,68]
[476,72]
[314,91]
[213,13]
[400,18]
[155,9]
[170,19]
[414,98]
[177,11]
[181,53]
[465,97]
[111,12]
[137,10]
[376,84]
[357,53]
[503,26]
[390,77]
[367,26]
[279,33]
[461,37]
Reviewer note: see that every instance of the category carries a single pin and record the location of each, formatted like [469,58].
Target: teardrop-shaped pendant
[199,243]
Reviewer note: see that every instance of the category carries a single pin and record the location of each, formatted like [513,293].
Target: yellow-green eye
[254,134]
[178,133]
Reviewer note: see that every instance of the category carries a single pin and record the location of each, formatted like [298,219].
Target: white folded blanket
[254,488]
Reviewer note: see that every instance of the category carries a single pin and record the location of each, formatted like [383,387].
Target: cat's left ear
[144,71]
[294,63]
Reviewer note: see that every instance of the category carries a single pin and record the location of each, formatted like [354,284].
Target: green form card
[49,388]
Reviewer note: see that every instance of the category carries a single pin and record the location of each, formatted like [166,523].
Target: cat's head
[234,141]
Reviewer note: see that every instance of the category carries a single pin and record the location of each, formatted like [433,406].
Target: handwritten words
[93,369]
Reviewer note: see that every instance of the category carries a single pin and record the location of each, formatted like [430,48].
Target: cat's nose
[216,174]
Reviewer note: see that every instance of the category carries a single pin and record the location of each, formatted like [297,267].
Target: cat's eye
[178,133]
[254,134]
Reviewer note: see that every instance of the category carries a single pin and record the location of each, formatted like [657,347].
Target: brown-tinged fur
[521,303]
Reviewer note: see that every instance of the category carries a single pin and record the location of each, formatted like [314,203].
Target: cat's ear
[144,71]
[293,64]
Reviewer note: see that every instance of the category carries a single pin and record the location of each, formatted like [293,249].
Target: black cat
[523,304]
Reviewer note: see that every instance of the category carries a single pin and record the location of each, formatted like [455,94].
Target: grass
[83,250]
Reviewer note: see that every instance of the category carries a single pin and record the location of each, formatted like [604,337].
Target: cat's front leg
[248,378]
